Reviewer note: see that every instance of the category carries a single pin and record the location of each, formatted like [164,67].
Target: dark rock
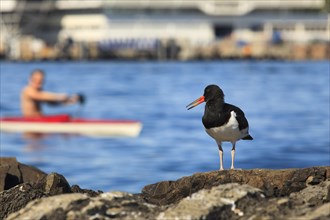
[273,182]
[13,176]
[13,173]
[91,193]
[55,184]
[298,180]
[304,204]
[17,197]
[31,174]
[328,195]
[3,174]
[233,201]
[312,196]
[230,194]
[227,201]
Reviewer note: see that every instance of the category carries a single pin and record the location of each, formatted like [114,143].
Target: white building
[194,21]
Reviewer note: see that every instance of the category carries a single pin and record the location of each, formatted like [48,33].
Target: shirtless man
[32,96]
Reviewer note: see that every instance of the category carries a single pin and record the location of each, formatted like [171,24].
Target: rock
[312,196]
[48,208]
[273,182]
[218,202]
[80,206]
[55,184]
[3,174]
[30,174]
[321,213]
[227,201]
[13,173]
[17,197]
[91,193]
[231,194]
[304,204]
[234,201]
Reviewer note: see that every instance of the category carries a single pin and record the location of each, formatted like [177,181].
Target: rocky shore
[29,193]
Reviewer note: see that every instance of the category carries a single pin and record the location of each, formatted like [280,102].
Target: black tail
[249,137]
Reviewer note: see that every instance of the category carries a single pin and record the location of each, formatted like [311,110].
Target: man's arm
[47,96]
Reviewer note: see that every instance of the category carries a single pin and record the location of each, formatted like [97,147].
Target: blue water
[287,105]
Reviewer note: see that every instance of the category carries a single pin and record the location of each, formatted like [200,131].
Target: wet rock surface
[234,194]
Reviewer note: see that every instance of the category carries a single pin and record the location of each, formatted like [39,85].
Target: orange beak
[195,103]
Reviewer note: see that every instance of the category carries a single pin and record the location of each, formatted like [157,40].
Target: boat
[64,124]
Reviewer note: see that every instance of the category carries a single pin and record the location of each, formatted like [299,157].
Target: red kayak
[66,124]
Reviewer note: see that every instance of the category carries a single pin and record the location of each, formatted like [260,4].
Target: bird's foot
[221,169]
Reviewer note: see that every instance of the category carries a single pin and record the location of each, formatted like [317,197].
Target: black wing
[240,117]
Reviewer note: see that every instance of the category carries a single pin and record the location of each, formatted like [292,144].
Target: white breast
[227,132]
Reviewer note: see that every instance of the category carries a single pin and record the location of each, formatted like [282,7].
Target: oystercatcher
[222,121]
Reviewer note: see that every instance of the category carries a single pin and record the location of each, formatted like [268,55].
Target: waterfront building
[144,23]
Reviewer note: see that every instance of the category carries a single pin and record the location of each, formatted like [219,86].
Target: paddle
[81,98]
[81,101]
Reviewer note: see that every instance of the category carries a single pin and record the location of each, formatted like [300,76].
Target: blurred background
[165,29]
[146,60]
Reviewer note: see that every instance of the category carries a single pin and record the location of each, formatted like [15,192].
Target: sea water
[286,104]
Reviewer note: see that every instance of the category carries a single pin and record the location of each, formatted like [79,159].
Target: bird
[222,121]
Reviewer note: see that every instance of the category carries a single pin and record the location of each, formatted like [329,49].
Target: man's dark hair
[37,71]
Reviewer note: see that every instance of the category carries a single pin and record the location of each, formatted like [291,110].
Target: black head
[213,92]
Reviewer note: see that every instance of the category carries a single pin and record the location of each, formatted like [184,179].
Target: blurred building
[145,23]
